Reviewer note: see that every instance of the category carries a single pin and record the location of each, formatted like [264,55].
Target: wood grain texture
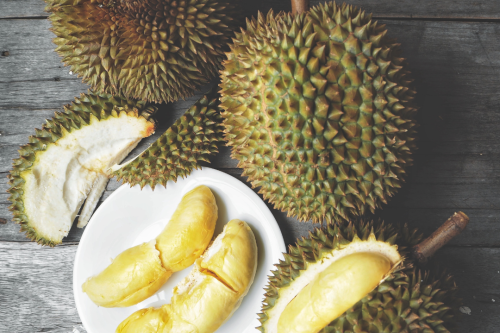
[454,55]
[36,283]
[456,66]
[448,9]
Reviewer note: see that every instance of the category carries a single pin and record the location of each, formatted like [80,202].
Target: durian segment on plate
[134,275]
[67,161]
[178,151]
[149,320]
[119,47]
[354,277]
[214,289]
[318,110]
[139,272]
[189,231]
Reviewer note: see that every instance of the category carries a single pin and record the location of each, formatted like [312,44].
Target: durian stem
[452,227]
[300,6]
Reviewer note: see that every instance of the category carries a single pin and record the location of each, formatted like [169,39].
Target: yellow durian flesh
[203,307]
[233,257]
[148,320]
[134,275]
[211,293]
[189,231]
[333,291]
[203,301]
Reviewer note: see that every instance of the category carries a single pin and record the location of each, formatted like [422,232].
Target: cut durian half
[330,286]
[335,280]
[67,161]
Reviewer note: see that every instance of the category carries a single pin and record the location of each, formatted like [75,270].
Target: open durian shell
[408,299]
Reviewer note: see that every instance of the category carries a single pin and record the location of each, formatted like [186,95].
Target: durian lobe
[68,158]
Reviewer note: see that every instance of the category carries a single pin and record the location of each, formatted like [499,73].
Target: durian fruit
[149,320]
[139,272]
[68,160]
[318,111]
[356,277]
[189,231]
[152,50]
[134,275]
[190,140]
[212,291]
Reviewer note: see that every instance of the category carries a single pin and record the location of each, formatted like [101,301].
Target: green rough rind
[318,111]
[408,301]
[190,140]
[151,50]
[74,117]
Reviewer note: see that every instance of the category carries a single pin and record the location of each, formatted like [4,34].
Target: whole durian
[190,140]
[67,162]
[318,111]
[342,263]
[152,50]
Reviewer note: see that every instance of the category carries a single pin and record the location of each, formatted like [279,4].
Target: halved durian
[354,277]
[67,161]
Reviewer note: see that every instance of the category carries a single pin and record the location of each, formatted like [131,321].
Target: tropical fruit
[189,231]
[138,273]
[67,161]
[211,293]
[134,275]
[152,50]
[356,277]
[190,140]
[318,111]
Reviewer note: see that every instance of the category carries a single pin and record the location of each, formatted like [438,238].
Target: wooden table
[453,48]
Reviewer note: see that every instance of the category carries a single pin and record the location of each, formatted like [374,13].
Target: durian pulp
[134,275]
[212,291]
[333,291]
[148,320]
[313,269]
[63,175]
[189,231]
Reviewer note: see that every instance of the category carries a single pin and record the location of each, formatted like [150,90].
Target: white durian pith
[287,294]
[63,175]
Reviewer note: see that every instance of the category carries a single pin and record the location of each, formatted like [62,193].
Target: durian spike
[451,228]
[300,6]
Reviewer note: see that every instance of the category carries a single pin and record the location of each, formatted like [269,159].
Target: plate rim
[272,223]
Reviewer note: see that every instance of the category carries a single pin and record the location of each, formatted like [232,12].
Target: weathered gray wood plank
[36,293]
[31,52]
[36,287]
[449,9]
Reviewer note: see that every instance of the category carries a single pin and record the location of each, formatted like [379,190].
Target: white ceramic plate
[130,217]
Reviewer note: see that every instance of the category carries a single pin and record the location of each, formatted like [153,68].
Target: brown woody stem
[300,6]
[452,227]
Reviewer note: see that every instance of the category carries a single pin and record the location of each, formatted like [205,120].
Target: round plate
[131,216]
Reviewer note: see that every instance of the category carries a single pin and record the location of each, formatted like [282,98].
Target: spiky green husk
[409,300]
[152,50]
[190,140]
[318,111]
[74,117]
